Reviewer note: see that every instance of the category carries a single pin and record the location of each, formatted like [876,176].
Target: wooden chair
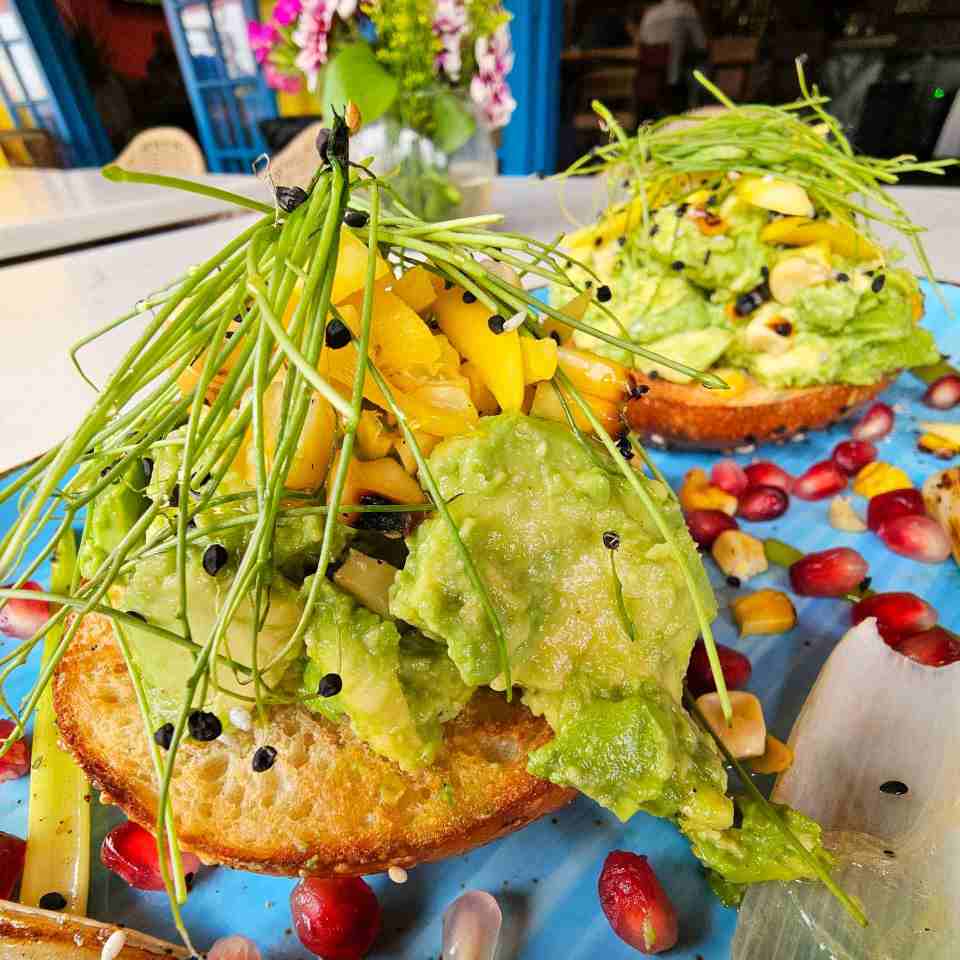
[163,150]
[31,148]
[296,163]
[732,59]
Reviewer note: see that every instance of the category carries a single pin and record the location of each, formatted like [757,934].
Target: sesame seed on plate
[397,874]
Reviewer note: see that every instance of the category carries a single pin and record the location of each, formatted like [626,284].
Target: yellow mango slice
[497,356]
[374,440]
[417,288]
[546,404]
[594,374]
[781,196]
[539,358]
[409,461]
[384,478]
[398,335]
[801,231]
[576,308]
[351,272]
[483,399]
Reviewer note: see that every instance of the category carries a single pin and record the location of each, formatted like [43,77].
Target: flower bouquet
[429,78]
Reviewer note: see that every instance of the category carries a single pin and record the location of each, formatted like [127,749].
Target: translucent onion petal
[873,718]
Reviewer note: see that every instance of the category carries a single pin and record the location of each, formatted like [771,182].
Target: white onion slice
[471,927]
[873,717]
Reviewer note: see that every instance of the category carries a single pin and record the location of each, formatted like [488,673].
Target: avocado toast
[744,247]
[341,602]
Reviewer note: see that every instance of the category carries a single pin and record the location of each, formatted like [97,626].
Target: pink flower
[489,89]
[450,24]
[263,38]
[278,80]
[286,12]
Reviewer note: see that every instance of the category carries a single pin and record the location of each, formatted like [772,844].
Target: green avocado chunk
[395,693]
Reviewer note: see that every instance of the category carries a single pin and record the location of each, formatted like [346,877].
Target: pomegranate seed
[892,504]
[767,474]
[935,647]
[706,525]
[234,948]
[734,665]
[730,476]
[943,394]
[336,919]
[830,573]
[822,480]
[898,614]
[762,503]
[12,852]
[23,618]
[877,422]
[15,763]
[639,910]
[916,537]
[131,853]
[852,455]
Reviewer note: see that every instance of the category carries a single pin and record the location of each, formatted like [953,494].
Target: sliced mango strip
[483,399]
[800,231]
[351,272]
[781,196]
[374,440]
[546,404]
[575,309]
[384,478]
[398,336]
[418,288]
[539,359]
[497,355]
[594,374]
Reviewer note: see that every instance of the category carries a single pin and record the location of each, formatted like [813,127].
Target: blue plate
[545,876]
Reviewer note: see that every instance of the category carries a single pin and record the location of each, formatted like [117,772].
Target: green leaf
[453,122]
[353,73]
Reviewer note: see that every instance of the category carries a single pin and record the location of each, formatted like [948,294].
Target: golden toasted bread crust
[30,934]
[689,415]
[329,805]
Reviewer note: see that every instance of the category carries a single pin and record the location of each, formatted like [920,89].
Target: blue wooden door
[227,93]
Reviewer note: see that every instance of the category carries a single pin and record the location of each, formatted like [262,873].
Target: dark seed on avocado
[356,218]
[843,278]
[263,759]
[604,294]
[163,737]
[147,468]
[204,726]
[175,496]
[624,446]
[654,230]
[611,540]
[598,241]
[677,265]
[215,558]
[337,335]
[52,901]
[330,685]
[878,282]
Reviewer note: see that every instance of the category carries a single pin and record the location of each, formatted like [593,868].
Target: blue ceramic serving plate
[545,876]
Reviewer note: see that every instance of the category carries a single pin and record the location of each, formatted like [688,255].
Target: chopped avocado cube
[699,349]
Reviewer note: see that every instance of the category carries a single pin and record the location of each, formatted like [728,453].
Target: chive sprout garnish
[252,316]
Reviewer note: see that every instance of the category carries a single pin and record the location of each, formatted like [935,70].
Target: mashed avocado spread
[714,280]
[532,503]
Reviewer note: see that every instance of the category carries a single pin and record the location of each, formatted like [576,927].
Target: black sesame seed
[147,463]
[625,447]
[289,198]
[215,558]
[706,257]
[611,540]
[765,273]
[637,390]
[589,284]
[733,581]
[175,496]
[447,283]
[204,726]
[495,323]
[52,901]
[865,584]
[163,737]
[263,759]
[469,297]
[106,469]
[889,853]
[677,265]
[843,277]
[682,209]
[604,294]
[784,329]
[556,337]
[337,335]
[356,218]
[712,200]
[330,685]
[654,374]
[897,788]
[621,241]
[598,241]
[654,230]
[878,283]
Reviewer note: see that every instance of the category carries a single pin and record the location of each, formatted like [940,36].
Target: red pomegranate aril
[916,537]
[637,907]
[131,853]
[23,618]
[12,852]
[829,573]
[935,647]
[897,614]
[336,919]
[767,474]
[851,456]
[730,476]
[875,424]
[822,480]
[706,525]
[892,504]
[943,394]
[15,763]
[734,666]
[762,503]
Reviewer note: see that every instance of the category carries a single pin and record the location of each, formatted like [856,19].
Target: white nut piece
[739,555]
[747,734]
[844,517]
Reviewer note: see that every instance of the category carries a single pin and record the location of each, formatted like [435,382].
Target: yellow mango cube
[594,375]
[374,440]
[483,399]
[880,477]
[776,757]
[801,231]
[781,196]
[763,612]
[399,337]
[697,493]
[351,272]
[539,359]
[417,288]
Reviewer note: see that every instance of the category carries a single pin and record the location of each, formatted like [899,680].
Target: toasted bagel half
[27,933]
[691,416]
[329,806]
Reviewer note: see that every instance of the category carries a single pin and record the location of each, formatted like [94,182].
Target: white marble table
[45,210]
[51,302]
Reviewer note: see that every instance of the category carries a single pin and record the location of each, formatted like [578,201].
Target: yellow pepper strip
[800,231]
[776,758]
[351,272]
[880,477]
[539,359]
[58,831]
[763,612]
[594,375]
[497,355]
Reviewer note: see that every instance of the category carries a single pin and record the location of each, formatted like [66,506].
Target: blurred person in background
[675,23]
